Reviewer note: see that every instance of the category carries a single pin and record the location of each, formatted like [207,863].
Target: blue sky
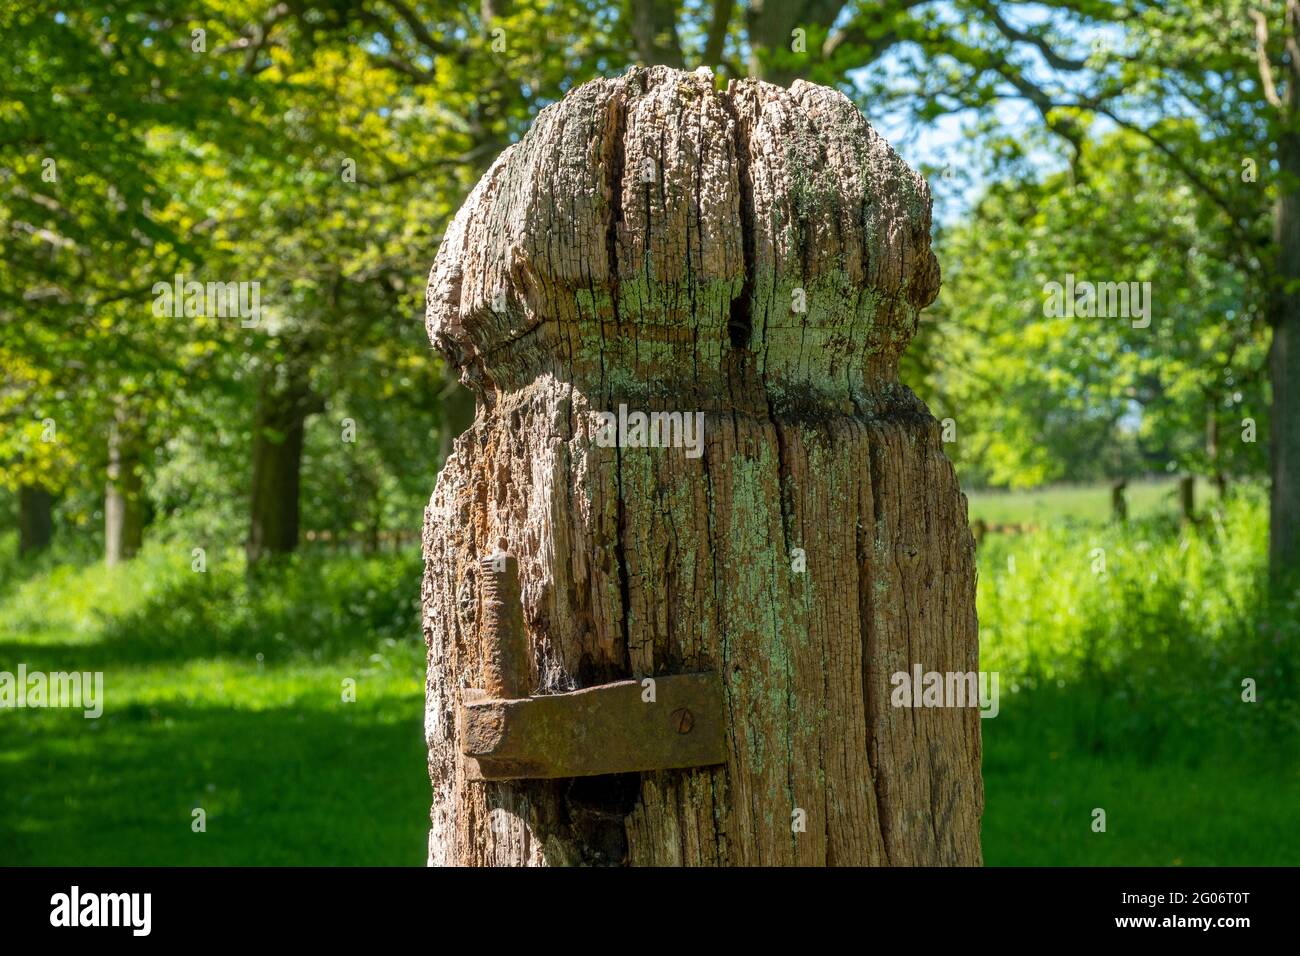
[946,141]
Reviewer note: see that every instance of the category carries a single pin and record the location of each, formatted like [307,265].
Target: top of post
[654,238]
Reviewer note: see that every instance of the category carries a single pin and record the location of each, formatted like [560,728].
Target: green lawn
[1122,652]
[1178,796]
[1082,503]
[285,770]
[1120,690]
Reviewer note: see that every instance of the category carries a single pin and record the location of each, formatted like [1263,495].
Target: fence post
[681,311]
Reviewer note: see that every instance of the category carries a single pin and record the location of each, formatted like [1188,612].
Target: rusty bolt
[683,720]
[507,654]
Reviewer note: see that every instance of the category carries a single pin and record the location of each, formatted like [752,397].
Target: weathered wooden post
[651,250]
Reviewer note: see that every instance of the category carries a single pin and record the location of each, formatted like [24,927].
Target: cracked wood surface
[650,242]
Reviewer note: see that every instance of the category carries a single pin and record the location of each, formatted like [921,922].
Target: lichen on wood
[760,255]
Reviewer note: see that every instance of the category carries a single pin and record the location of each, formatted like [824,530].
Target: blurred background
[220,508]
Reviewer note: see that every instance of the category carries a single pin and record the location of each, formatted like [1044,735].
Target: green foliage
[316,150]
[1111,600]
[1042,397]
[224,692]
[162,609]
[1121,688]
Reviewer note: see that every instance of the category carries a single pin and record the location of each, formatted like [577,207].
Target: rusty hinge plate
[505,734]
[605,729]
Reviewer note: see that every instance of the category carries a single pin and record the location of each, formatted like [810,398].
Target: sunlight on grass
[1081,503]
[223,693]
[1121,652]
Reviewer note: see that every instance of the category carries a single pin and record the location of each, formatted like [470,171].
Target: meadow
[225,694]
[1122,652]
[1087,503]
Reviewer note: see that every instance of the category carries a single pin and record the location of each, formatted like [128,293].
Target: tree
[374,111]
[1041,394]
[90,222]
[1282,47]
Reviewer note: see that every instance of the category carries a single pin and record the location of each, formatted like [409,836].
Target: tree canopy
[310,152]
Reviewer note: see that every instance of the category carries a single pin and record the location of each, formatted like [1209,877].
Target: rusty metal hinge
[505,734]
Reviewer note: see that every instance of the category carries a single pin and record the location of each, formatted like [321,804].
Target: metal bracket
[506,735]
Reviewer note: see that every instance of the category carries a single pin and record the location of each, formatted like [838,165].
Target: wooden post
[743,268]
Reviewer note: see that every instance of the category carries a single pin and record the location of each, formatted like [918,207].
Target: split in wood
[613,728]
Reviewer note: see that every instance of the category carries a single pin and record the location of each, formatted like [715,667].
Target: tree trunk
[766,276]
[285,402]
[1213,451]
[35,519]
[455,413]
[768,26]
[654,31]
[123,496]
[777,53]
[1187,498]
[1284,517]
[1284,359]
[1118,500]
[374,532]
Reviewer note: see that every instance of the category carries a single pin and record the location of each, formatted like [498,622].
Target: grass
[1229,809]
[1121,652]
[222,694]
[1080,503]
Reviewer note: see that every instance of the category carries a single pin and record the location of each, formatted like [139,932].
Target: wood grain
[759,255]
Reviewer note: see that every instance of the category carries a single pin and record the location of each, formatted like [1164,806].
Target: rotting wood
[759,255]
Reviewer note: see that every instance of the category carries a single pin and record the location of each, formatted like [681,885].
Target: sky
[946,141]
